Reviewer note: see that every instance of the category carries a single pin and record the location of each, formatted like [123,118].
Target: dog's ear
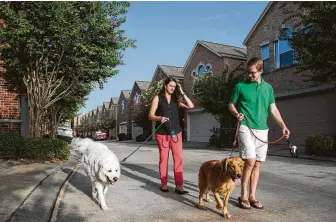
[101,172]
[224,164]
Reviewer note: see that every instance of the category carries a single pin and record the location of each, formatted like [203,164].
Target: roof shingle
[143,85]
[126,93]
[115,100]
[172,71]
[226,50]
[106,105]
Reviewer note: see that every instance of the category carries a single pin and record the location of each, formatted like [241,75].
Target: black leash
[140,145]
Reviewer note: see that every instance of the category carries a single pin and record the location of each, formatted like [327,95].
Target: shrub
[141,137]
[222,137]
[322,144]
[11,144]
[45,149]
[121,136]
[14,145]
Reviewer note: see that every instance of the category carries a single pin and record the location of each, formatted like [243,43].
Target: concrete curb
[30,194]
[61,195]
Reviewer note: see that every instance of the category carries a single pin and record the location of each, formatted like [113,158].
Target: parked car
[99,135]
[64,132]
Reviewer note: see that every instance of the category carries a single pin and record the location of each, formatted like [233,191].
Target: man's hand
[240,116]
[286,132]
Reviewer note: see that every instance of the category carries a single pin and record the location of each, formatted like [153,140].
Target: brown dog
[219,177]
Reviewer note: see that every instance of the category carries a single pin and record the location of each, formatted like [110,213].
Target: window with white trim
[208,67]
[136,98]
[201,69]
[283,52]
[265,58]
[122,107]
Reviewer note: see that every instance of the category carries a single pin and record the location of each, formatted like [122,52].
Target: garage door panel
[304,116]
[123,128]
[200,126]
[136,131]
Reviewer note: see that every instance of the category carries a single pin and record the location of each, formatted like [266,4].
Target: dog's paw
[201,206]
[219,207]
[104,208]
[227,215]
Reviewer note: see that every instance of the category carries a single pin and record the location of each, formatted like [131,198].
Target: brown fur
[218,177]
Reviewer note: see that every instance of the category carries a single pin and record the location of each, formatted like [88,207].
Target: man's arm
[233,109]
[278,119]
[233,100]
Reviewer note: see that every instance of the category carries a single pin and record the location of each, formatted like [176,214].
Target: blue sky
[166,33]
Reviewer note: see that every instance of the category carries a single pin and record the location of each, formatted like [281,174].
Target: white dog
[100,164]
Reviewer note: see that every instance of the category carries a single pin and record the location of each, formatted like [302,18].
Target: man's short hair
[255,61]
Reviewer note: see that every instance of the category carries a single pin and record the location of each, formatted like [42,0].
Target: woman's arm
[188,104]
[153,109]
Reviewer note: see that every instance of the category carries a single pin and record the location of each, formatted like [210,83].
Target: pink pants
[165,142]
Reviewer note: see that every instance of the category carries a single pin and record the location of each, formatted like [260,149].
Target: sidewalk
[29,190]
[273,150]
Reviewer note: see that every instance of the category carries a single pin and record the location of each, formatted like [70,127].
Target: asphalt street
[290,190]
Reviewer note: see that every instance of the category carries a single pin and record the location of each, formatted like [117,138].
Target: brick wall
[9,109]
[159,75]
[306,115]
[204,56]
[126,115]
[268,31]
[201,55]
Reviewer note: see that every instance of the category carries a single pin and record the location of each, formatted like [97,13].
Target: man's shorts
[249,146]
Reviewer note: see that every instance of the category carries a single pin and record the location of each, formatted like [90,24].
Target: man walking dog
[254,98]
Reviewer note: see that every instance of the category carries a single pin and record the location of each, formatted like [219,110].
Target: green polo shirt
[253,100]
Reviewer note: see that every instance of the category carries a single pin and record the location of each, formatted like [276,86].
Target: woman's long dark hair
[176,94]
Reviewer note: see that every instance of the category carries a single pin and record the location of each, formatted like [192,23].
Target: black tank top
[168,110]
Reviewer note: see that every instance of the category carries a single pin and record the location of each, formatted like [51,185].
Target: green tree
[139,114]
[106,124]
[313,39]
[149,94]
[214,92]
[51,43]
[67,106]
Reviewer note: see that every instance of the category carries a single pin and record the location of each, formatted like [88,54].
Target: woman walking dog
[164,110]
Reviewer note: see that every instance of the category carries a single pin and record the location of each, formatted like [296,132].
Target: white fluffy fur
[101,165]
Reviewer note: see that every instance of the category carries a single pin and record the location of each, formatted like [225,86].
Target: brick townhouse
[306,109]
[206,57]
[136,99]
[13,107]
[124,113]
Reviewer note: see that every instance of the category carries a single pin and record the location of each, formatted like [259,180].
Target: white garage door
[123,128]
[136,131]
[200,125]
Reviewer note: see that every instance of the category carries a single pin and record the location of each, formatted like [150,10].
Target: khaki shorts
[249,146]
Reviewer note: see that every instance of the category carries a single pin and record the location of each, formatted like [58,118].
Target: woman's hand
[164,119]
[180,88]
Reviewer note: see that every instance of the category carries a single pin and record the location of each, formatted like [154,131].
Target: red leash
[236,136]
